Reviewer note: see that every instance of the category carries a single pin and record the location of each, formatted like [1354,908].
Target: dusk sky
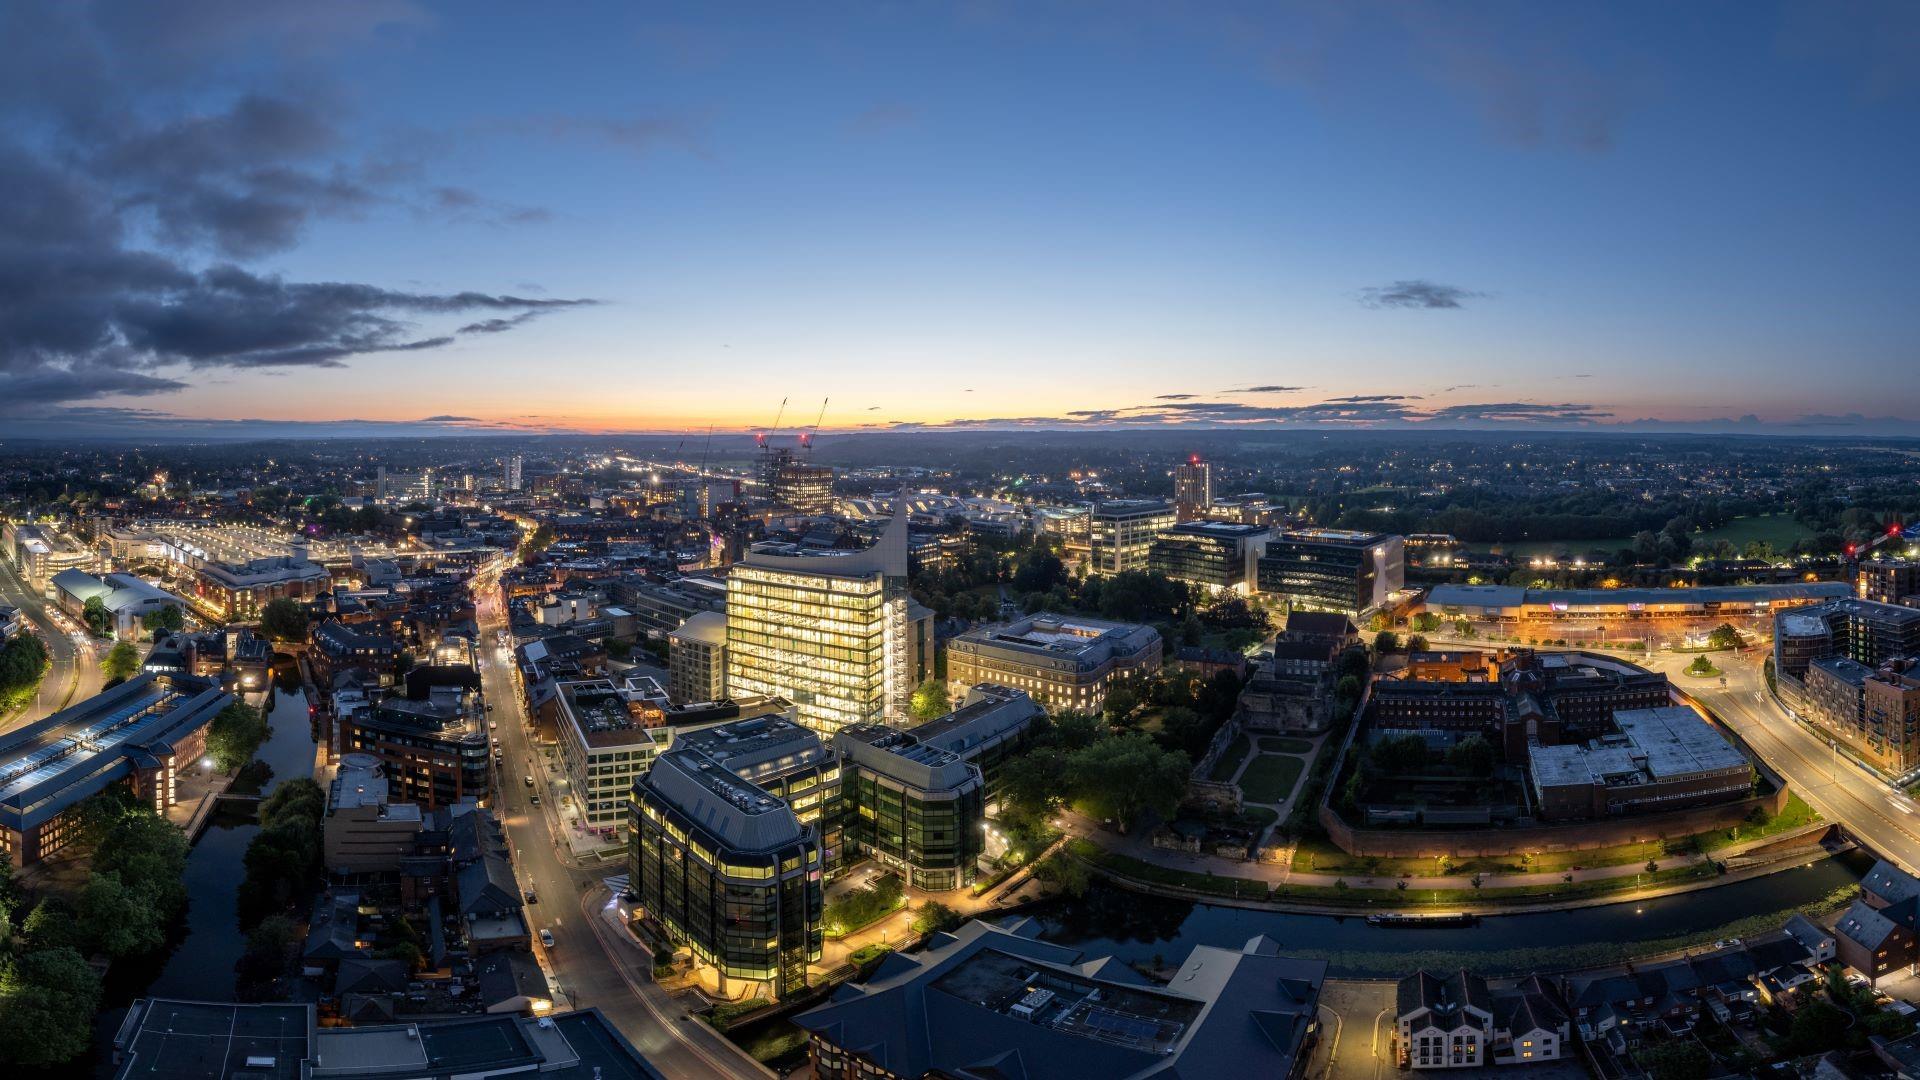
[640,217]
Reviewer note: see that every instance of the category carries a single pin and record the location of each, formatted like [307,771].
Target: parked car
[546,938]
[531,899]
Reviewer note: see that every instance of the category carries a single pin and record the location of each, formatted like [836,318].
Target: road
[593,962]
[75,674]
[1885,820]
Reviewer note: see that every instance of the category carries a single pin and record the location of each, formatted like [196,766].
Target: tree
[95,614]
[118,921]
[1073,730]
[1122,700]
[1400,754]
[1030,787]
[47,1001]
[233,736]
[284,620]
[1700,666]
[50,925]
[163,620]
[1385,642]
[537,541]
[1416,643]
[1426,622]
[935,916]
[1124,776]
[22,662]
[1817,1027]
[1725,636]
[268,956]
[121,663]
[930,700]
[1471,756]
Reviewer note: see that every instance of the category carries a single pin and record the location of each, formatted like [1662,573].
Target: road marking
[1895,800]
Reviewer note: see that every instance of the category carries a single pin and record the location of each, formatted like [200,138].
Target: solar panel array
[29,770]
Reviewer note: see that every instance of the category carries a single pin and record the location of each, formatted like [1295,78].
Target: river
[1110,921]
[199,964]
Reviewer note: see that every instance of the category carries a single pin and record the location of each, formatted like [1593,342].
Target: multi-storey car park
[141,734]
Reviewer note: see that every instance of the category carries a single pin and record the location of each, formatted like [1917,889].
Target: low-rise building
[1668,758]
[127,599]
[141,735]
[432,737]
[987,730]
[1458,1021]
[987,1001]
[1066,662]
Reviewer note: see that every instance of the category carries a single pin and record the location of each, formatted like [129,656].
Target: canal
[1110,921]
[199,965]
[1159,933]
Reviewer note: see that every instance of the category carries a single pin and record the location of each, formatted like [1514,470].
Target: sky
[376,215]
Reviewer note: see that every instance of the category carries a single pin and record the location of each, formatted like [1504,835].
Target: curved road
[593,961]
[75,674]
[1883,819]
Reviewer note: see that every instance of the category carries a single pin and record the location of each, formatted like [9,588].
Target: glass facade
[835,646]
[936,840]
[753,915]
[1216,562]
[1121,535]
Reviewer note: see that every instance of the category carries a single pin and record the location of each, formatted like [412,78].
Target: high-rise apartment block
[1122,531]
[829,632]
[514,479]
[1192,488]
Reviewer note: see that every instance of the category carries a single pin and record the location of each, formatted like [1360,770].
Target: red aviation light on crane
[1851,549]
[1193,459]
[1893,529]
[760,438]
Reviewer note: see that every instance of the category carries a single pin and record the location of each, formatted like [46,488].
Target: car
[534,798]
[532,899]
[1727,943]
[493,725]
[546,937]
[529,779]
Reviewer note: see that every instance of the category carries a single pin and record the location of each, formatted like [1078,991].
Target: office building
[238,592]
[804,489]
[990,726]
[1121,532]
[1333,569]
[1666,758]
[987,1001]
[1192,489]
[828,632]
[726,870]
[1217,556]
[790,762]
[364,834]
[41,552]
[140,735]
[697,659]
[127,599]
[913,807]
[1065,662]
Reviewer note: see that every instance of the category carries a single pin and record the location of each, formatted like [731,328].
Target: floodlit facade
[1121,533]
[1218,556]
[1065,661]
[697,659]
[828,632]
[727,870]
[1333,569]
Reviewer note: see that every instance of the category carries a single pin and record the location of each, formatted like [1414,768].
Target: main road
[75,672]
[1882,818]
[593,962]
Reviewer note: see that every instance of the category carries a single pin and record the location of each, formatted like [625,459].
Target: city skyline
[410,219]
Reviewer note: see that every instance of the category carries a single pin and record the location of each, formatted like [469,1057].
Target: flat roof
[196,1040]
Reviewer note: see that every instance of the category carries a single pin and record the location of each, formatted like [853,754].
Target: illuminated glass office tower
[827,631]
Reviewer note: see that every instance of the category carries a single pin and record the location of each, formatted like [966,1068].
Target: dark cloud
[443,419]
[1267,390]
[122,230]
[1428,295]
[1176,397]
[1518,413]
[1355,398]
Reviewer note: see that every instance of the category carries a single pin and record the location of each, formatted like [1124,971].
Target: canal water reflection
[1112,921]
[200,965]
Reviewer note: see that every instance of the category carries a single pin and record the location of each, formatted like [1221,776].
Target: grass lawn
[1283,744]
[1711,672]
[1523,548]
[1270,778]
[1780,530]
[1223,769]
[1265,815]
[1128,866]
